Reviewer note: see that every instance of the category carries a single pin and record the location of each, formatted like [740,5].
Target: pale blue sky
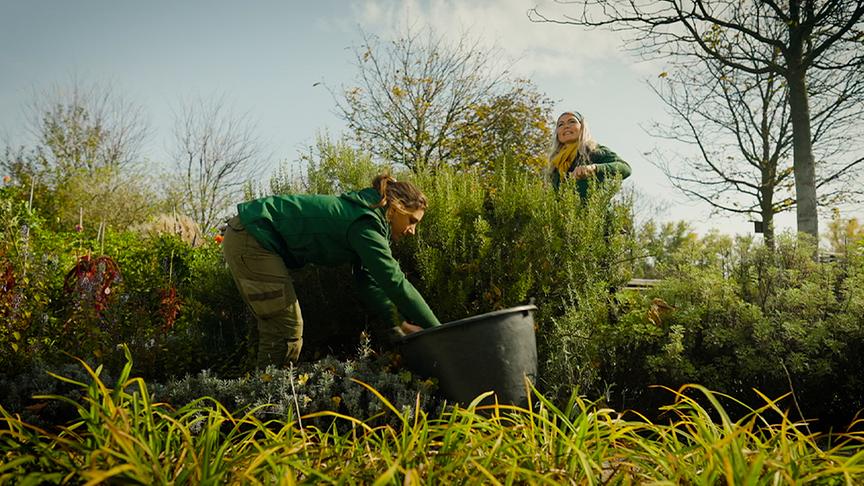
[263,57]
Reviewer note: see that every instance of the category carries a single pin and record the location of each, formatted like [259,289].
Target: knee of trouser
[268,300]
[282,326]
[272,300]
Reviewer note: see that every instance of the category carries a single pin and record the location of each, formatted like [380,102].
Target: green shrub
[491,241]
[32,266]
[84,294]
[730,313]
[328,168]
[751,319]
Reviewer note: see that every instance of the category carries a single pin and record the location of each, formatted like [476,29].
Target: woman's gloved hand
[408,328]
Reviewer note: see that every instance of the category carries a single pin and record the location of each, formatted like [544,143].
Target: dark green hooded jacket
[334,230]
[608,163]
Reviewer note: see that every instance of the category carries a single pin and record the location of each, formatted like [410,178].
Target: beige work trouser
[266,286]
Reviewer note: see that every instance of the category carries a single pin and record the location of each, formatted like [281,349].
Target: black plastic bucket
[488,352]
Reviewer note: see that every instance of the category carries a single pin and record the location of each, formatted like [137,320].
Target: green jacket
[608,165]
[334,230]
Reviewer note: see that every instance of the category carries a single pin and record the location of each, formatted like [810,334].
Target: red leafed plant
[169,307]
[92,278]
[7,284]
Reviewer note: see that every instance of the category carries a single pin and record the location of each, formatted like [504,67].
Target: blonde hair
[586,143]
[404,195]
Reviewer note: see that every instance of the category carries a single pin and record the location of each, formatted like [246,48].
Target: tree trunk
[804,165]
[767,211]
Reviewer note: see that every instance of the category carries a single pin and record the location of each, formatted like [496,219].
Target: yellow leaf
[17,335]
[14,347]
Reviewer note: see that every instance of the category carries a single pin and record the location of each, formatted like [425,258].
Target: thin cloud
[540,49]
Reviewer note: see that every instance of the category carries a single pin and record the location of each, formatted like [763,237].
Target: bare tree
[216,153]
[740,126]
[84,156]
[748,35]
[414,92]
[85,127]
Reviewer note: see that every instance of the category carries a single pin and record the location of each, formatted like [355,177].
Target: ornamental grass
[121,436]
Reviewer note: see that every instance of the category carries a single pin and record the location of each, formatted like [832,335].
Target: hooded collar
[367,198]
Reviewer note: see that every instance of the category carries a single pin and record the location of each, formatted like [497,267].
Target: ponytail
[405,195]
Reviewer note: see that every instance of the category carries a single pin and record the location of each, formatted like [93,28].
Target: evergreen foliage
[729,313]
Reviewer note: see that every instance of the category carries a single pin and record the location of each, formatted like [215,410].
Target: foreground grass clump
[122,436]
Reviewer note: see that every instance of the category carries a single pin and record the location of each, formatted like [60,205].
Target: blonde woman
[575,155]
[271,235]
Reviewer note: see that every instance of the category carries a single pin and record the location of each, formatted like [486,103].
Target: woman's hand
[583,171]
[409,328]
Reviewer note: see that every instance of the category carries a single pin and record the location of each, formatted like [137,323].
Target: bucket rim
[467,320]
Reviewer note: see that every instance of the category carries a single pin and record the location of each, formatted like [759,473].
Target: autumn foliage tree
[513,126]
[423,102]
[844,233]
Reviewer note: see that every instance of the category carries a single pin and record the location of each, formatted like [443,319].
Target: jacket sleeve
[555,179]
[380,279]
[374,297]
[609,164]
